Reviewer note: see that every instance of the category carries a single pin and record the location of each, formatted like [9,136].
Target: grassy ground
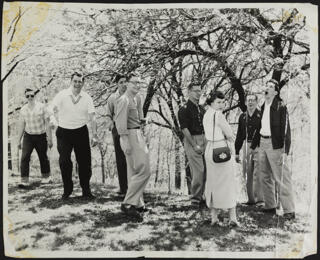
[39,220]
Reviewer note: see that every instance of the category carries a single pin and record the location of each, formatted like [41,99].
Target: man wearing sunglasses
[74,109]
[35,129]
[248,124]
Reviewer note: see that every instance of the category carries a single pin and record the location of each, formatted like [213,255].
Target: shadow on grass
[32,186]
[172,224]
[107,219]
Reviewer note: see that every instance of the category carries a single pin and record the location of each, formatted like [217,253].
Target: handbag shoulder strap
[214,122]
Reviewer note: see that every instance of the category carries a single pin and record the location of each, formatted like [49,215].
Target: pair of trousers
[39,143]
[197,167]
[77,140]
[250,165]
[120,161]
[138,168]
[275,173]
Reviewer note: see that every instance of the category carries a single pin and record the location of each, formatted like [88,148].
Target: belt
[266,136]
[137,127]
[34,134]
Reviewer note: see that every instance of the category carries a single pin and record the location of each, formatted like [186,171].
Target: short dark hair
[29,89]
[275,83]
[78,74]
[213,95]
[252,94]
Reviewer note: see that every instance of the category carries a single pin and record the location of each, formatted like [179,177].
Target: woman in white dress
[220,188]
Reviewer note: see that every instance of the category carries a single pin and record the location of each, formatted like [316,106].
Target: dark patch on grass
[107,218]
[182,208]
[70,218]
[33,210]
[61,240]
[23,227]
[103,200]
[97,234]
[125,246]
[38,236]
[174,225]
[22,247]
[56,230]
[51,203]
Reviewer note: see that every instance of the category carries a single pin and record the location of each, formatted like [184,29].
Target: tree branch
[10,71]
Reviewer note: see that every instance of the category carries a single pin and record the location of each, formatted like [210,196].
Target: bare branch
[10,70]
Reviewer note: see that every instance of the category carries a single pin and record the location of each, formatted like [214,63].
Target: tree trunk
[158,161]
[168,165]
[188,175]
[103,168]
[177,163]
[169,174]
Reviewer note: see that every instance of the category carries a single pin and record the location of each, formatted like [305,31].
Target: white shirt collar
[70,92]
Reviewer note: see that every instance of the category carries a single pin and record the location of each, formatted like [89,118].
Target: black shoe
[272,211]
[203,204]
[65,196]
[249,203]
[123,208]
[22,186]
[131,211]
[233,223]
[88,196]
[143,209]
[289,216]
[195,205]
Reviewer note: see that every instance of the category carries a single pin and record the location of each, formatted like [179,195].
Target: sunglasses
[27,96]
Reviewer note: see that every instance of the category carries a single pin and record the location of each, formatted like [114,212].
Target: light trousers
[275,172]
[138,168]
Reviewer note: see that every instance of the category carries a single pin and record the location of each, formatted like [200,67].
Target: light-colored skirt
[220,188]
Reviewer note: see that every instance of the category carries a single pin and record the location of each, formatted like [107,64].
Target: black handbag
[220,154]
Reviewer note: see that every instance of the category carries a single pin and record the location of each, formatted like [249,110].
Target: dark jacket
[279,126]
[246,128]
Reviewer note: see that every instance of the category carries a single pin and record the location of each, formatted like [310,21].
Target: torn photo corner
[150,189]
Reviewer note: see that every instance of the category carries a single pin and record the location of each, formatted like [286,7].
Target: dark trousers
[38,142]
[121,162]
[77,140]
